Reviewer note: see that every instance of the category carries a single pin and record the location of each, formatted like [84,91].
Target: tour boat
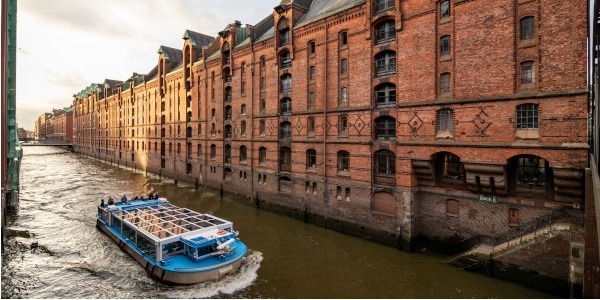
[175,245]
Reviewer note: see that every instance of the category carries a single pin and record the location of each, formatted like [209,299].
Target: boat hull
[168,276]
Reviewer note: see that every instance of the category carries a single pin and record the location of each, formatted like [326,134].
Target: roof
[262,27]
[153,73]
[111,84]
[175,56]
[198,39]
[322,8]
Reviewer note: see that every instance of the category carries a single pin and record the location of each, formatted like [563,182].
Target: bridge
[46,143]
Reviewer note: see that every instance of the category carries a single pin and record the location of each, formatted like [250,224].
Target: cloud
[73,81]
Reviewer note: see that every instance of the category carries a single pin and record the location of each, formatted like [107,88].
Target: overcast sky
[64,45]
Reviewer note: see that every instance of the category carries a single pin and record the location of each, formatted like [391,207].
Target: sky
[65,45]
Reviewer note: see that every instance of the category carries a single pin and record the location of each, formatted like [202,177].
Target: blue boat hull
[177,276]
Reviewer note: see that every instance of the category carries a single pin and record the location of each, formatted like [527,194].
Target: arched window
[228,94]
[343,38]
[189,116]
[312,48]
[449,168]
[527,28]
[285,59]
[225,53]
[243,109]
[385,63]
[285,130]
[285,106]
[188,132]
[243,153]
[227,131]
[227,154]
[188,168]
[262,155]
[445,120]
[286,83]
[527,116]
[385,32]
[178,148]
[228,112]
[311,158]
[284,32]
[213,130]
[213,151]
[385,95]
[212,113]
[385,128]
[243,128]
[343,158]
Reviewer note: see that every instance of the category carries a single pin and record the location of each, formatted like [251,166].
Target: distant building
[58,125]
[21,134]
[40,126]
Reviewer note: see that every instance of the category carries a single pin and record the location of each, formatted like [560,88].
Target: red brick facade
[393,109]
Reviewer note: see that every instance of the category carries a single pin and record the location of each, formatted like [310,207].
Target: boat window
[116,224]
[146,246]
[172,249]
[129,233]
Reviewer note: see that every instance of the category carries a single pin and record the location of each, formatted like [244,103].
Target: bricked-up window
[263,105]
[385,128]
[444,9]
[343,161]
[343,38]
[286,83]
[312,48]
[311,100]
[227,154]
[285,106]
[261,128]
[385,164]
[445,45]
[199,150]
[445,83]
[285,130]
[228,112]
[527,72]
[243,153]
[385,95]
[212,113]
[385,32]
[213,129]
[527,116]
[527,28]
[385,63]
[170,148]
[263,62]
[263,83]
[343,125]
[452,208]
[311,125]
[285,159]
[243,109]
[383,5]
[513,217]
[227,94]
[243,88]
[285,59]
[532,173]
[344,67]
[344,96]
[227,131]
[311,158]
[243,128]
[445,120]
[311,73]
[262,155]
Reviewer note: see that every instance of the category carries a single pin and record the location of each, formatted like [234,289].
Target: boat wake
[230,284]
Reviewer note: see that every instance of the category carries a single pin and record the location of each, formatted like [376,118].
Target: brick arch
[384,202]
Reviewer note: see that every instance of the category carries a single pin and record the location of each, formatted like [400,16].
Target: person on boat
[156,196]
[111,201]
[136,198]
[102,203]
[150,196]
[124,199]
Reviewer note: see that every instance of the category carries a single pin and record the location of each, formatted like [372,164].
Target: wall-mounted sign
[486,198]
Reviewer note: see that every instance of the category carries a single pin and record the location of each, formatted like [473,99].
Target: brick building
[39,131]
[386,119]
[59,126]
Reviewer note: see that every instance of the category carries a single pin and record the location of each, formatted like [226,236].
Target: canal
[287,258]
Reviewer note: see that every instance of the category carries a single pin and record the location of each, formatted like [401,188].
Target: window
[385,162]
[284,37]
[311,73]
[286,130]
[263,105]
[263,83]
[527,29]
[262,155]
[228,112]
[285,59]
[311,125]
[227,154]
[242,69]
[382,5]
[213,130]
[444,83]
[311,158]
[286,83]
[228,94]
[445,120]
[449,166]
[343,125]
[312,48]
[444,9]
[243,88]
[385,63]
[532,173]
[445,45]
[343,161]
[311,100]
[347,193]
[344,96]
[385,32]
[243,128]
[285,106]
[199,150]
[170,148]
[243,153]
[385,95]
[188,132]
[452,208]
[243,109]
[285,159]
[385,128]
[212,112]
[344,67]
[261,127]
[527,72]
[528,116]
[344,38]
[227,131]
[263,62]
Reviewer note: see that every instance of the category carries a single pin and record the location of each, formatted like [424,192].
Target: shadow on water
[287,258]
